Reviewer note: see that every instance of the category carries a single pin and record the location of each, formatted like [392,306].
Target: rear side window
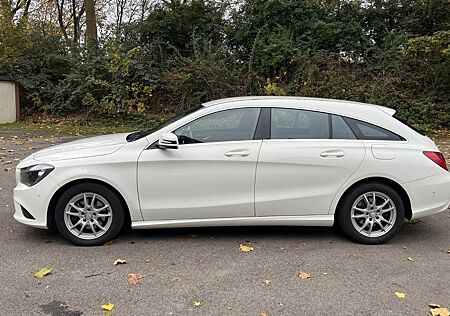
[299,124]
[340,128]
[367,131]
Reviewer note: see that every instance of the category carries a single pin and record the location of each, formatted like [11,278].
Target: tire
[365,223]
[103,209]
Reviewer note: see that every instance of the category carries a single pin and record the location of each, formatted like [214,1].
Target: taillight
[437,157]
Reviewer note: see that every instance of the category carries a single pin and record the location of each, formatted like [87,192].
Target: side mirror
[168,141]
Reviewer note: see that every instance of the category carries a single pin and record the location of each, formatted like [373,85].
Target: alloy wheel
[88,215]
[373,214]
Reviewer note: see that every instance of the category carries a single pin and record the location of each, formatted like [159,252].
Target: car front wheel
[372,213]
[89,214]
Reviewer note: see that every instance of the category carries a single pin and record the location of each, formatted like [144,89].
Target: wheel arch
[393,184]
[52,205]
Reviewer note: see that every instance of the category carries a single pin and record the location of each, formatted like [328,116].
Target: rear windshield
[418,130]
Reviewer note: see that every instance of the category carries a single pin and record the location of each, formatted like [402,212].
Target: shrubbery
[189,52]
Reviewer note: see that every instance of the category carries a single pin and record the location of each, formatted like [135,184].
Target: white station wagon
[240,161]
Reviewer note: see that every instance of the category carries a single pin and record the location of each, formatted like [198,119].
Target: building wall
[7,102]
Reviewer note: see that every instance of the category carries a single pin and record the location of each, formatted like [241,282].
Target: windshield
[163,123]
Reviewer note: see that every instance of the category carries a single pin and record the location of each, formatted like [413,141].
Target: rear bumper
[429,195]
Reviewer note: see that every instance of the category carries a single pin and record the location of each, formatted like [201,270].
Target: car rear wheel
[89,214]
[372,213]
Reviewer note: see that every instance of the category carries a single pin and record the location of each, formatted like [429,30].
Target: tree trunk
[91,25]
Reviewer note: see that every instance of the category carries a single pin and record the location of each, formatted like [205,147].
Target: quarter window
[299,124]
[224,126]
[340,128]
[367,131]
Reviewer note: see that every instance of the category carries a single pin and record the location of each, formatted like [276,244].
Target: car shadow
[425,229]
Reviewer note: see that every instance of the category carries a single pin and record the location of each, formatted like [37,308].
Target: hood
[82,148]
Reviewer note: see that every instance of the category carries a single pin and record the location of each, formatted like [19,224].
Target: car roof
[345,106]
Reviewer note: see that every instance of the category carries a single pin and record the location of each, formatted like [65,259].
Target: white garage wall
[7,102]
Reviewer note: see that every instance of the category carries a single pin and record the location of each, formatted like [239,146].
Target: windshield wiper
[136,135]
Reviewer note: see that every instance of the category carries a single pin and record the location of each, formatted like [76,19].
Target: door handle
[238,153]
[333,153]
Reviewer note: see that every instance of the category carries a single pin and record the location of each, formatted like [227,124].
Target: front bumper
[35,200]
[429,195]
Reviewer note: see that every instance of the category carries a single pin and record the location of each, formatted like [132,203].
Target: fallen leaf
[410,259]
[43,272]
[448,251]
[134,278]
[8,162]
[267,282]
[245,248]
[413,221]
[108,307]
[325,273]
[108,243]
[175,279]
[400,294]
[439,312]
[7,169]
[304,275]
[434,305]
[263,314]
[197,304]
[147,260]
[119,261]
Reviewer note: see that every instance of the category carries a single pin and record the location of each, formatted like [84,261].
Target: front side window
[223,126]
[299,124]
[367,131]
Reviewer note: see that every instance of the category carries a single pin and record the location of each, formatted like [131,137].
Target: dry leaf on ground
[267,281]
[439,312]
[245,248]
[134,278]
[43,272]
[400,294]
[197,304]
[119,261]
[304,275]
[108,307]
[175,279]
[263,314]
[410,259]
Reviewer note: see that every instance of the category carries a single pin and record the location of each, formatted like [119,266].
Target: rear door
[307,159]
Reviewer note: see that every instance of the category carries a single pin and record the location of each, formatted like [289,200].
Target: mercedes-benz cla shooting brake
[239,162]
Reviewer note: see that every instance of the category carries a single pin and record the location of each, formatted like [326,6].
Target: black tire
[116,207]
[344,212]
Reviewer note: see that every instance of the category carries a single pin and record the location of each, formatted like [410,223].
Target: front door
[210,175]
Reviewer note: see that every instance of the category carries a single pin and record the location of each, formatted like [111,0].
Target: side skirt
[312,220]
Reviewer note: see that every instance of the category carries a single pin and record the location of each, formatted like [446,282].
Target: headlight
[33,174]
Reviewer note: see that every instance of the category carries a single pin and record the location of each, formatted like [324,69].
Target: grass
[80,125]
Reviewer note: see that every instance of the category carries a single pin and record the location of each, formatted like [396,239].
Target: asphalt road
[183,266]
